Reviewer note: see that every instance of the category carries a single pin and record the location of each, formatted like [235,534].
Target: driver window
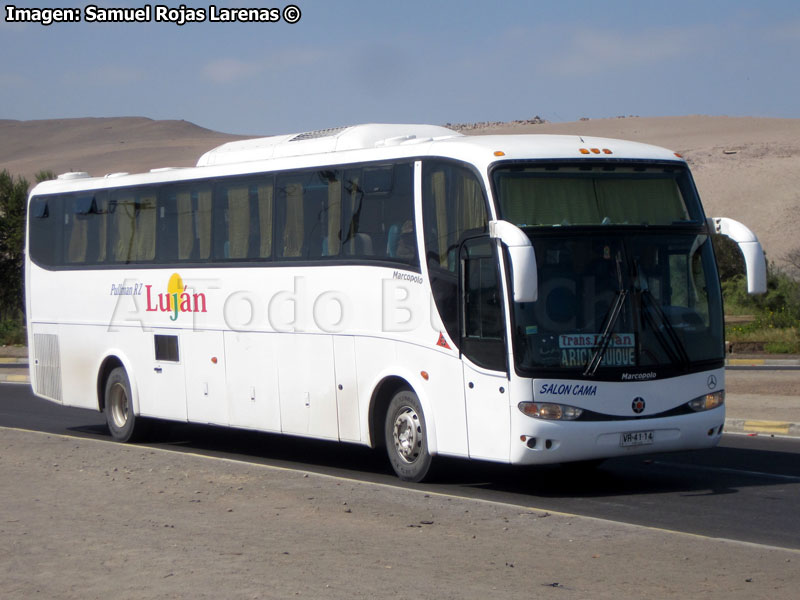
[483,325]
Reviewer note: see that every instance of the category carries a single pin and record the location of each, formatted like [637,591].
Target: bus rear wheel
[407,438]
[123,424]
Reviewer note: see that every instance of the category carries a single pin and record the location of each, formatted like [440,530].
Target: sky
[434,61]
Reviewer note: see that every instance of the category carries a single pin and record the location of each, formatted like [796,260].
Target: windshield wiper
[605,339]
[676,351]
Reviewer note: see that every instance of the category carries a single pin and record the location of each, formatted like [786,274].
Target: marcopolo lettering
[638,376]
[412,277]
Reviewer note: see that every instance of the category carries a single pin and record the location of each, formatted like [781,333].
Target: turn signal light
[708,401]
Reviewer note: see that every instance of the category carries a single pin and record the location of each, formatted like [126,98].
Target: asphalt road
[747,489]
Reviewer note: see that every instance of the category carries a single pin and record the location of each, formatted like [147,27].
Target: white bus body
[397,285]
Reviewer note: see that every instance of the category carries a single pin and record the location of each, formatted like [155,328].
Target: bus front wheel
[406,437]
[122,422]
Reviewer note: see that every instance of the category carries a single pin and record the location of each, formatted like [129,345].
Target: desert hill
[104,145]
[745,168]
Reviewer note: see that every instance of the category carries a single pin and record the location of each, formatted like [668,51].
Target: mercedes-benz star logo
[712,382]
[638,405]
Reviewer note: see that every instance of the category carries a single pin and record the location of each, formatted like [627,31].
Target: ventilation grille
[319,133]
[47,366]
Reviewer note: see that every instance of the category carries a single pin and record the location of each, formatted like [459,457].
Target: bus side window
[354,241]
[378,210]
[46,230]
[132,229]
[331,214]
[86,227]
[184,229]
[290,218]
[242,220]
[453,208]
[483,326]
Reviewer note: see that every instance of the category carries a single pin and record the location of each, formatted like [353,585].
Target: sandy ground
[746,168]
[91,519]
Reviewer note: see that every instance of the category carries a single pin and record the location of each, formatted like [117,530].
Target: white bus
[521,299]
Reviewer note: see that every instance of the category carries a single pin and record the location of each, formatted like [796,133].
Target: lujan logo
[177,300]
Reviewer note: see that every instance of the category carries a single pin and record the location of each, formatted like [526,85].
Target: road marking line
[767,426]
[422,490]
[747,361]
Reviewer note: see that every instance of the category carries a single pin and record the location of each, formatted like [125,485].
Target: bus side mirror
[524,275]
[754,261]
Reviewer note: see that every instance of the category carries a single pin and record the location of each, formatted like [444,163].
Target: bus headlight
[708,401]
[549,411]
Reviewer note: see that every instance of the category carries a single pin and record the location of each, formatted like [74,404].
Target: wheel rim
[407,433]
[118,405]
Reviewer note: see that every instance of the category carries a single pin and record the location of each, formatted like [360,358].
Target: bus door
[484,351]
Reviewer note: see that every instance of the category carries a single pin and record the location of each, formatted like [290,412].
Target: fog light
[708,401]
[549,411]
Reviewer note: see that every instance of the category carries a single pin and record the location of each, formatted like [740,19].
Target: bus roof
[357,137]
[371,142]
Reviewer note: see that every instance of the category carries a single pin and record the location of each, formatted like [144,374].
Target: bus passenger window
[133,226]
[378,209]
[45,232]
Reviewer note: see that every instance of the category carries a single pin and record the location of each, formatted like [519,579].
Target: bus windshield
[612,300]
[627,278]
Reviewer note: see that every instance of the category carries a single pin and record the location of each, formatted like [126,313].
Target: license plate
[636,438]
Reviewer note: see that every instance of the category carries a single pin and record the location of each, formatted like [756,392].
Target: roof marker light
[678,155]
[499,153]
[595,150]
[607,151]
[584,151]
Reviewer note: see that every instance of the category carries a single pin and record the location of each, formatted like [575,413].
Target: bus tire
[123,424]
[406,437]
